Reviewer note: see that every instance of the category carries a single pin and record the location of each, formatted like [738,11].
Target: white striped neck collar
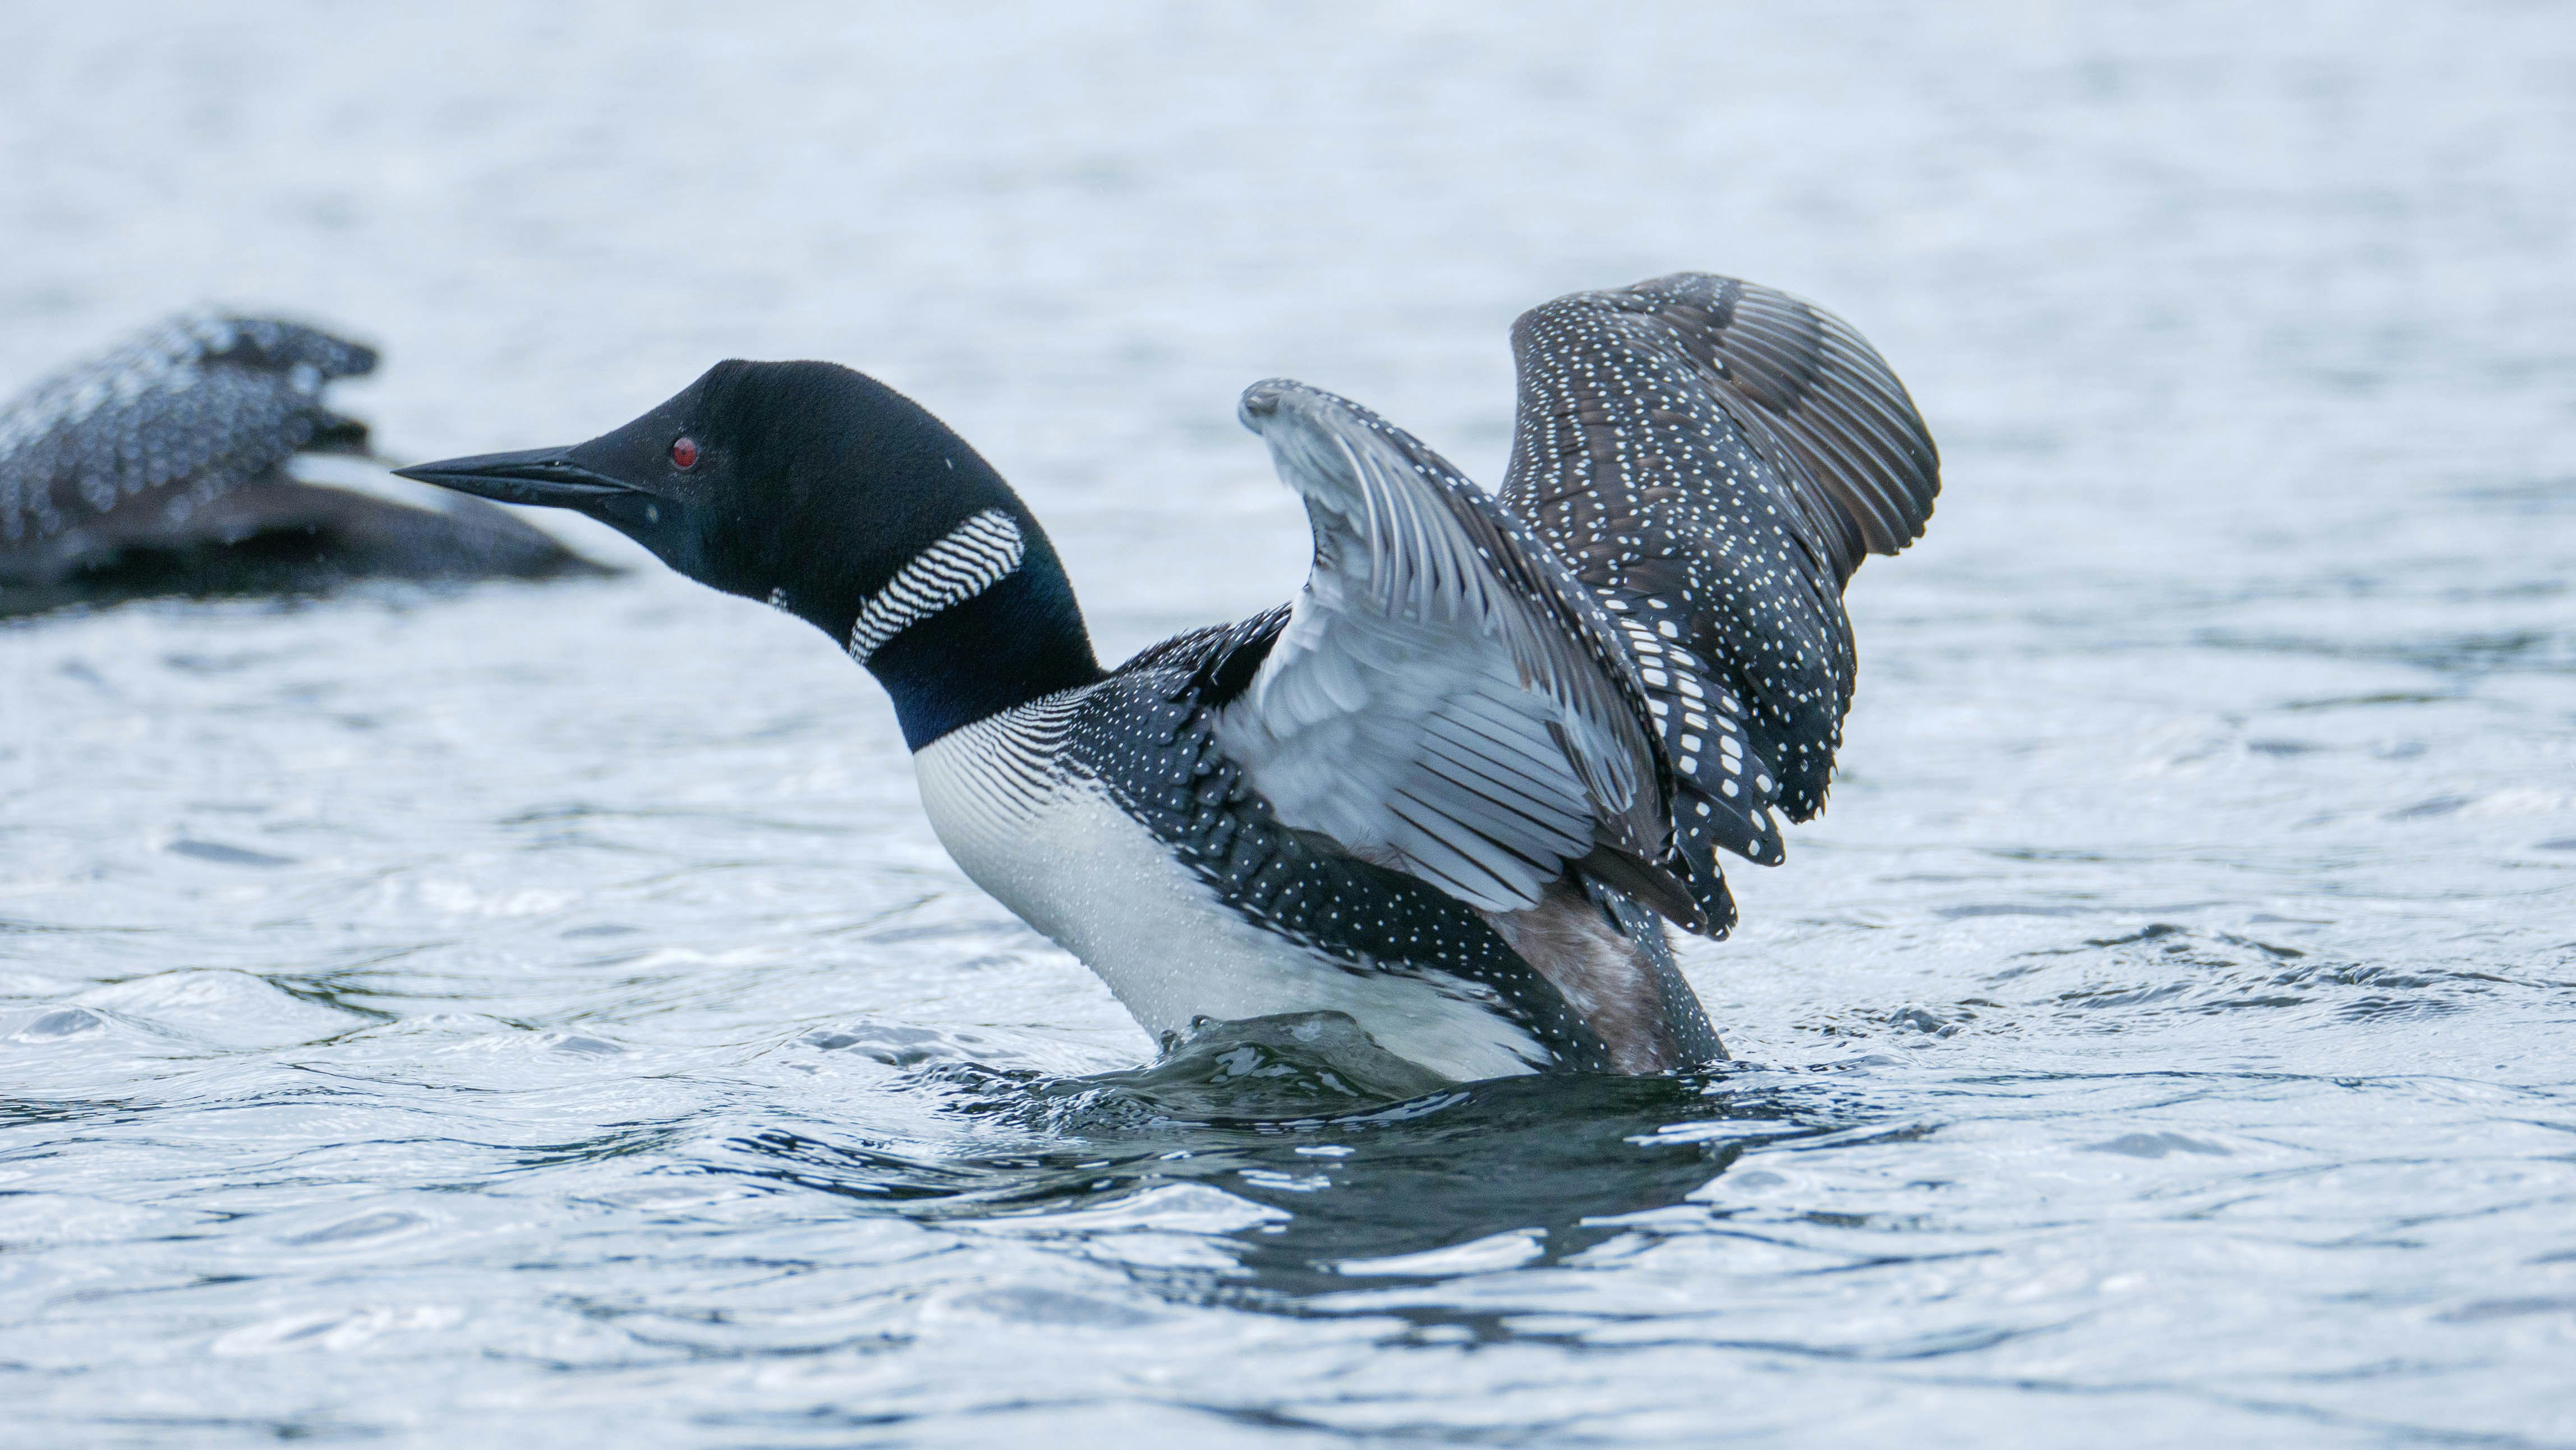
[962,564]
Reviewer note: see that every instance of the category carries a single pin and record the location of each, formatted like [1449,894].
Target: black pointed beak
[538,476]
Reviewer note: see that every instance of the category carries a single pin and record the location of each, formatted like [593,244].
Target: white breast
[1053,847]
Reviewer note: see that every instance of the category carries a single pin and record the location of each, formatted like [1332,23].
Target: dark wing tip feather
[1808,388]
[1721,456]
[1820,392]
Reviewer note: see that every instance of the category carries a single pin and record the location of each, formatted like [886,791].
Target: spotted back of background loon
[1456,788]
[161,467]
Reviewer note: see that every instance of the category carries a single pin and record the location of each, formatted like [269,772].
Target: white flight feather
[1416,708]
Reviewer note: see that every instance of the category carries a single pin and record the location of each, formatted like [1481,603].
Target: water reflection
[1376,1174]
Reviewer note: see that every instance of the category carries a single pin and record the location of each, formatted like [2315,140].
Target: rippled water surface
[540,1015]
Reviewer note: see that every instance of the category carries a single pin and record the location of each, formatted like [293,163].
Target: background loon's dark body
[160,468]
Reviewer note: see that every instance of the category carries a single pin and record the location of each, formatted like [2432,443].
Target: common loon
[1456,787]
[161,468]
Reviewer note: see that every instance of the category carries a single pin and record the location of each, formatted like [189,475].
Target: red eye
[684,452]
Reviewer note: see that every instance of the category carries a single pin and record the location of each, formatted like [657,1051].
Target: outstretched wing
[1444,698]
[1713,459]
[179,416]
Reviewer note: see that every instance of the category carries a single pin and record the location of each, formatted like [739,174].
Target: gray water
[540,1015]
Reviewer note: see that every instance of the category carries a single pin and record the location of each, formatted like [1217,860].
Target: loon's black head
[838,499]
[756,478]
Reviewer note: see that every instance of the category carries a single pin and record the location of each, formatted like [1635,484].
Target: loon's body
[1457,787]
[1110,818]
[162,468]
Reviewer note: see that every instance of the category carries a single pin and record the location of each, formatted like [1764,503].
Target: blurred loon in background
[1452,791]
[161,468]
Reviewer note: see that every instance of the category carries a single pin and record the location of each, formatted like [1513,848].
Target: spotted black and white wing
[1713,459]
[179,416]
[1444,698]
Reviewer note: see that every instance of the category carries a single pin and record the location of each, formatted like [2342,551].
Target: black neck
[843,482]
[1018,641]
